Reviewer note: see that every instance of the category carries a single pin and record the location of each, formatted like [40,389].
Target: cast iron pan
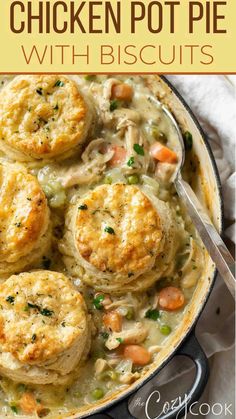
[189,347]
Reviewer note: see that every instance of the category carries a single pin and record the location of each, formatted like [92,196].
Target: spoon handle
[210,237]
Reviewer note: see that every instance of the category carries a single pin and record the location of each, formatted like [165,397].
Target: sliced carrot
[122,91]
[171,298]
[118,156]
[138,354]
[28,403]
[162,153]
[113,321]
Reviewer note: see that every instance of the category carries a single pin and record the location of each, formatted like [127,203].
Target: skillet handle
[192,350]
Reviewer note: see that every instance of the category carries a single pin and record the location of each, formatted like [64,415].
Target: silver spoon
[210,237]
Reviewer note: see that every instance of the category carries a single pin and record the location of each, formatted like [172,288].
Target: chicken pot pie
[119,231]
[42,117]
[25,231]
[115,236]
[44,328]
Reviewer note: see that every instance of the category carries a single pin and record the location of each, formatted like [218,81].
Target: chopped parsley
[109,230]
[120,340]
[139,149]
[39,91]
[18,224]
[34,336]
[105,335]
[83,207]
[30,305]
[46,312]
[130,162]
[152,314]
[97,302]
[63,324]
[113,105]
[10,299]
[59,83]
[188,140]
[56,107]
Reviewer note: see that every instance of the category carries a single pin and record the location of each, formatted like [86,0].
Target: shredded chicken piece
[164,171]
[154,349]
[136,334]
[92,168]
[125,117]
[129,301]
[129,377]
[100,366]
[133,135]
[113,362]
[119,303]
[107,89]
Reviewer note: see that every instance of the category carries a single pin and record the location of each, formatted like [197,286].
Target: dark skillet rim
[129,394]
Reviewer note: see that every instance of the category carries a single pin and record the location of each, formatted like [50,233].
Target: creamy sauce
[61,185]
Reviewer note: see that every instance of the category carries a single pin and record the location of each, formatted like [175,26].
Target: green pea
[108,180]
[98,393]
[130,314]
[133,179]
[165,329]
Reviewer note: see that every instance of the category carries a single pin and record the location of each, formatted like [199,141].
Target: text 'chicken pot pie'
[42,117]
[116,236]
[24,220]
[44,327]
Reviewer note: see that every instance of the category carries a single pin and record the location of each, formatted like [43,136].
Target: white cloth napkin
[213,100]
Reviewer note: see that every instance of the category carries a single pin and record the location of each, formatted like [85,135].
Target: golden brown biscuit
[115,236]
[42,117]
[24,220]
[44,328]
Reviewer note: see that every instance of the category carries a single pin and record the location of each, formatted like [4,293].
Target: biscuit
[25,231]
[44,327]
[42,117]
[114,236]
